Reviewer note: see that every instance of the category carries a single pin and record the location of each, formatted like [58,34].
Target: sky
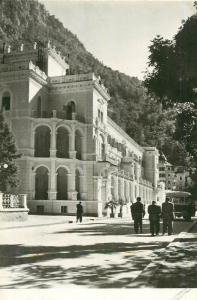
[118,33]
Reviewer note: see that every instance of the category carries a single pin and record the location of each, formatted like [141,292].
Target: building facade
[175,177]
[71,150]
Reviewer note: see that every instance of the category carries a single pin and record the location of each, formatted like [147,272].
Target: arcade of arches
[62,143]
[62,180]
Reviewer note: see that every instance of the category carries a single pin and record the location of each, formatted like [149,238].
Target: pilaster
[72,152]
[72,193]
[52,192]
[53,149]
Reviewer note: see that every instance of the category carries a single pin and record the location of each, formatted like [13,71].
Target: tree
[8,156]
[173,79]
[112,204]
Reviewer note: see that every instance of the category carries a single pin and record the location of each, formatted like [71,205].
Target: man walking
[168,216]
[79,212]
[137,212]
[154,217]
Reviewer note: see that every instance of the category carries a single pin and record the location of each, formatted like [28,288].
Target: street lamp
[3,166]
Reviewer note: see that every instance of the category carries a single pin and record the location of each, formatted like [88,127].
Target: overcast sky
[118,33]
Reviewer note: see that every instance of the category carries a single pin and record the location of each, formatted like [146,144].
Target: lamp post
[3,166]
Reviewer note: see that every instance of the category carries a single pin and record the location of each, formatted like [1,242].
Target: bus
[183,204]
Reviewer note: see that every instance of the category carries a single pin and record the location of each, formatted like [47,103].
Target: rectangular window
[6,103]
[162,175]
[161,169]
[40,209]
[64,209]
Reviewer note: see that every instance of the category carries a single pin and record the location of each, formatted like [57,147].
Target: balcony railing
[10,201]
[56,114]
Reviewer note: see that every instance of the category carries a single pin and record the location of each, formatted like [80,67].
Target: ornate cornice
[61,88]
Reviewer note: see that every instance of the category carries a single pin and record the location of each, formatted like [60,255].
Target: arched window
[6,103]
[42,141]
[78,144]
[78,184]
[41,184]
[62,183]
[62,143]
[70,110]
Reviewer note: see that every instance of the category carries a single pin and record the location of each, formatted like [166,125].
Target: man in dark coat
[79,212]
[168,216]
[137,212]
[154,217]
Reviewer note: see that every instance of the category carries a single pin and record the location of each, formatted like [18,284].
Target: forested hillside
[26,21]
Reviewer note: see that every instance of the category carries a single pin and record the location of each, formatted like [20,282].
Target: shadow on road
[176,269]
[32,272]
[101,265]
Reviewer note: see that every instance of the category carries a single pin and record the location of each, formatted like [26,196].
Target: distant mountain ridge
[27,21]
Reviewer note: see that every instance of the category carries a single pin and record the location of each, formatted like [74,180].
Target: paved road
[101,254]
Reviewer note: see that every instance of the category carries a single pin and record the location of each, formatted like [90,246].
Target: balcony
[56,114]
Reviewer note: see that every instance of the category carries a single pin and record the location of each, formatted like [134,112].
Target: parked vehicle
[183,204]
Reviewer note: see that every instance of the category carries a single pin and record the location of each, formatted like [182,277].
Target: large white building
[71,150]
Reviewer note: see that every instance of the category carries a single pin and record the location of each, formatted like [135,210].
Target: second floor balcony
[56,114]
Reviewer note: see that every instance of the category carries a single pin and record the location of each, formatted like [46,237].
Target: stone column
[83,148]
[72,152]
[33,184]
[83,192]
[116,187]
[32,142]
[31,180]
[53,149]
[23,201]
[72,193]
[97,194]
[122,189]
[127,191]
[132,191]
[52,191]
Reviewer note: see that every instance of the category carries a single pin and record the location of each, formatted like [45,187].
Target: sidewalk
[46,220]
[175,265]
[99,253]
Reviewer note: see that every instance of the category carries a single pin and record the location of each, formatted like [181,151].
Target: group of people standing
[156,212]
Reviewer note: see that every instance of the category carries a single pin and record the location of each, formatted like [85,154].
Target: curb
[73,222]
[142,280]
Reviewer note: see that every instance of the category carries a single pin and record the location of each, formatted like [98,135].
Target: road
[97,254]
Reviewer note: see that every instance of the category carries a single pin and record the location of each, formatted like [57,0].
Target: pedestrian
[79,212]
[168,216]
[137,212]
[154,211]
